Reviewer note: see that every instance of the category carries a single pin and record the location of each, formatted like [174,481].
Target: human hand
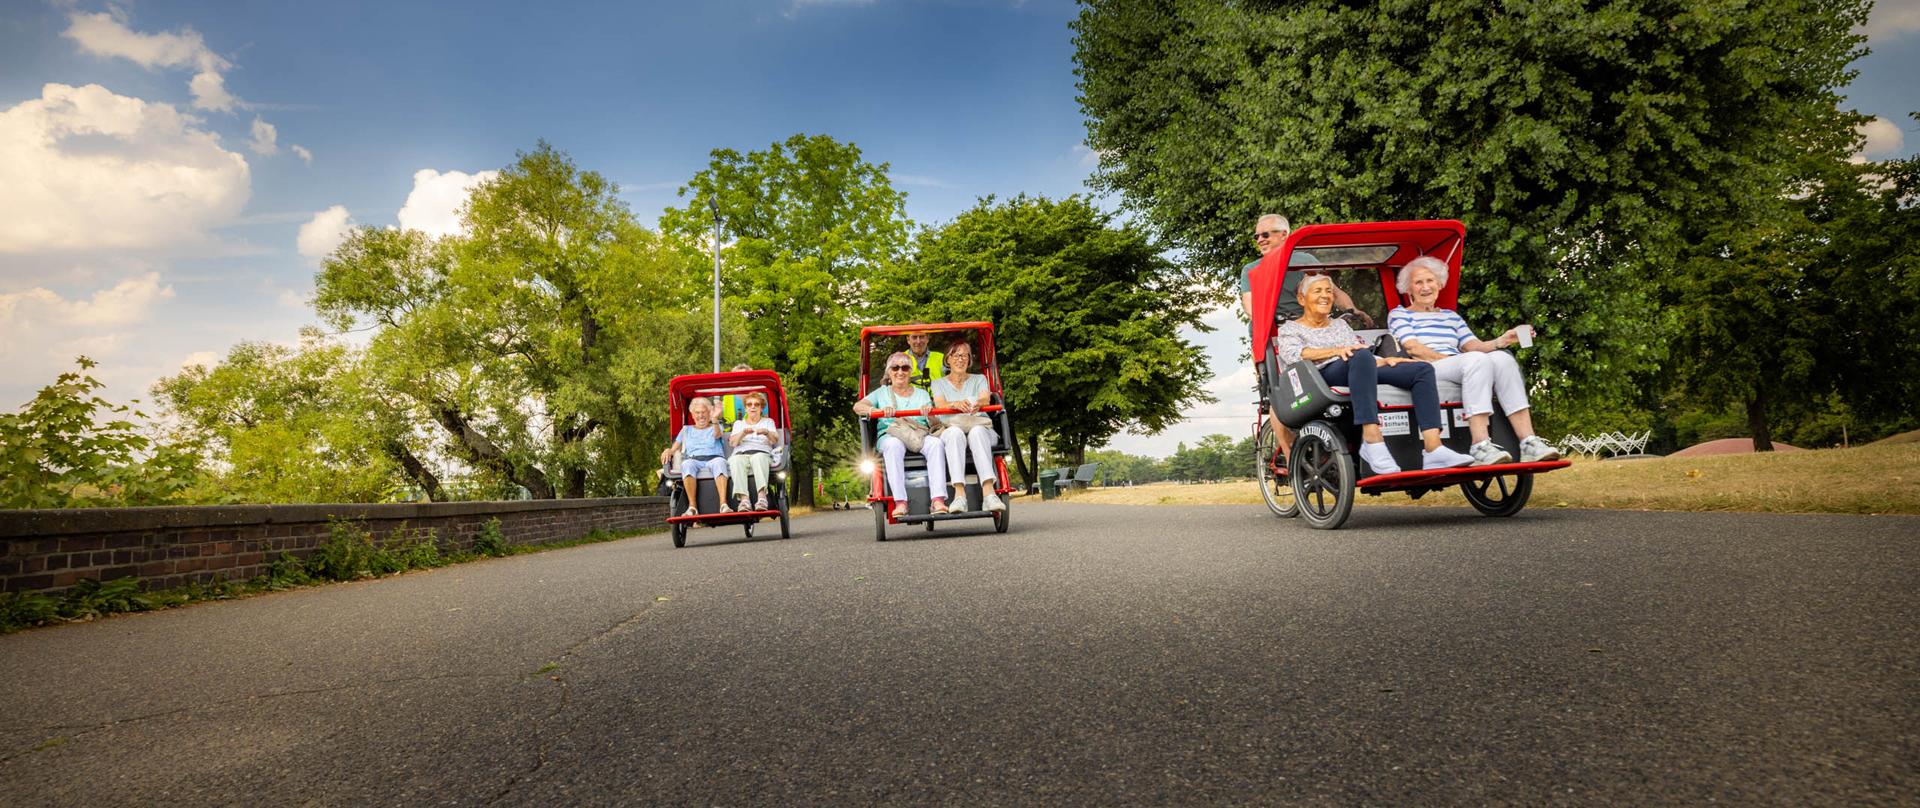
[1344,351]
[887,413]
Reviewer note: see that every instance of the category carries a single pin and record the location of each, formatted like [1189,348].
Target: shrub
[286,572]
[347,554]
[490,541]
[20,610]
[416,552]
[91,598]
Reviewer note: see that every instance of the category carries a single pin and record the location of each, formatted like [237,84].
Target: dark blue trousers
[1362,377]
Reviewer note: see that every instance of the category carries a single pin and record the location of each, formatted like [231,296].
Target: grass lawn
[1874,479]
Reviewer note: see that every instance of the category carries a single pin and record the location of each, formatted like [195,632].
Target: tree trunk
[480,450]
[1033,453]
[1757,421]
[416,470]
[800,470]
[1077,456]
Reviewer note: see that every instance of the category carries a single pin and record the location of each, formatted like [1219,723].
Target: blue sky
[374,107]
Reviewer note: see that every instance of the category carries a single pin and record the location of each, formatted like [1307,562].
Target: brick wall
[50,550]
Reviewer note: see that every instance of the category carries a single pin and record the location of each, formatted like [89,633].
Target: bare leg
[1371,433]
[1430,438]
[686,486]
[1522,421]
[1477,424]
[720,487]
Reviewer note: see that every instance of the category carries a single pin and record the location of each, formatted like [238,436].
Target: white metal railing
[1614,443]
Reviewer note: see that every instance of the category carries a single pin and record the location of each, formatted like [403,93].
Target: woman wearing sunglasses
[900,394]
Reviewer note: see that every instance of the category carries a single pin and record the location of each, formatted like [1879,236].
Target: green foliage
[70,448]
[541,341]
[20,610]
[490,541]
[346,555]
[91,598]
[1577,141]
[1120,468]
[811,222]
[286,572]
[1215,457]
[1085,315]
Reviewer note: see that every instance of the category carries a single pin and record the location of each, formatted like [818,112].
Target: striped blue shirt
[1441,330]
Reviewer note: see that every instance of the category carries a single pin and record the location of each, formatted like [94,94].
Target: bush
[20,610]
[416,552]
[286,572]
[490,541]
[346,555]
[91,598]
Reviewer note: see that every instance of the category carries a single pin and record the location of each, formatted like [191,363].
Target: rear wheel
[676,506]
[1323,476]
[1271,470]
[879,521]
[1004,516]
[1499,496]
[785,531]
[749,528]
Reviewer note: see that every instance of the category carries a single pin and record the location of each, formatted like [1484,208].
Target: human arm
[668,453]
[1488,346]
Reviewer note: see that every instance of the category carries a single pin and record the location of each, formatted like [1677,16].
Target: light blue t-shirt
[1443,331]
[700,442]
[883,397]
[969,390]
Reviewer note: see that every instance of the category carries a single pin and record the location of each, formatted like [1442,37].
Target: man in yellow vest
[927,365]
[732,406]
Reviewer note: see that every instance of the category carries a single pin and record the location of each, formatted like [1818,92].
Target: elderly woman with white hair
[1484,372]
[1343,359]
[886,400]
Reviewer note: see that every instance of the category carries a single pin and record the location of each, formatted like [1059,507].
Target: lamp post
[714,202]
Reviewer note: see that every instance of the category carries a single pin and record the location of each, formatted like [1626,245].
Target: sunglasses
[900,367]
[1266,233]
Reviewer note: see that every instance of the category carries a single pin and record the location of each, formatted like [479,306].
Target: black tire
[680,534]
[879,521]
[786,531]
[1323,476]
[749,528]
[1499,496]
[676,506]
[1003,517]
[1276,486]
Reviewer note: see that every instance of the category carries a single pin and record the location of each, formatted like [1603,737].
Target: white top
[755,442]
[969,390]
[1441,330]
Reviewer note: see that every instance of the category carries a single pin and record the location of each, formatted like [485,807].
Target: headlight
[780,474]
[866,467]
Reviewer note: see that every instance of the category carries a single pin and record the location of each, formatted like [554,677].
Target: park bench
[1082,477]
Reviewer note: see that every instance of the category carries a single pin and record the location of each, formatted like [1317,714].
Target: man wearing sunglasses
[1269,232]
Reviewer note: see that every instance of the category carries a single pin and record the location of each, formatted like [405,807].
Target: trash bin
[1049,484]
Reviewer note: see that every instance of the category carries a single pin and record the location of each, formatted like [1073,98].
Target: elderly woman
[1344,359]
[1484,372]
[706,457]
[900,394]
[754,437]
[966,392]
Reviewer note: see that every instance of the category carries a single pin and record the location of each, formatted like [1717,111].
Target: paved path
[1095,655]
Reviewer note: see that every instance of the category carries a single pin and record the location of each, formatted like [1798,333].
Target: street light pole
[715,203]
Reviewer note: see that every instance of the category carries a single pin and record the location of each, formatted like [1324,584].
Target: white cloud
[1891,19]
[203,358]
[108,35]
[301,152]
[321,234]
[1883,139]
[40,330]
[85,168]
[265,138]
[433,207]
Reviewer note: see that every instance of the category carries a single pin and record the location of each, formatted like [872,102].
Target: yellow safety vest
[732,407]
[935,368]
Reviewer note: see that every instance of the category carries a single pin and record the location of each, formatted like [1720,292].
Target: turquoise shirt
[883,397]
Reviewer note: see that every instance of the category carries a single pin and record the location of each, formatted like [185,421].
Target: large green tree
[540,341]
[1577,141]
[810,222]
[1086,314]
[71,448]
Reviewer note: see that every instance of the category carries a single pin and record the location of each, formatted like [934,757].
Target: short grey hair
[699,401]
[1311,279]
[1284,224]
[1427,262]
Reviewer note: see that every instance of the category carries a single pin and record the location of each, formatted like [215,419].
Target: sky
[171,172]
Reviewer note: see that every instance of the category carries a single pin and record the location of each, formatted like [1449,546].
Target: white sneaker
[1378,458]
[991,501]
[1444,458]
[1535,450]
[958,504]
[1487,453]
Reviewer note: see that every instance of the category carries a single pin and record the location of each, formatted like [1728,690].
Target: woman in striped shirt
[1483,371]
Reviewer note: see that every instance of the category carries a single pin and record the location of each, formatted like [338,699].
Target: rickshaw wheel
[879,521]
[1323,476]
[1495,496]
[785,531]
[1003,517]
[1275,488]
[749,528]
[676,506]
[680,534]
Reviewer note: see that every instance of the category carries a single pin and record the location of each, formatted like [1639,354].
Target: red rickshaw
[718,386]
[876,344]
[1317,480]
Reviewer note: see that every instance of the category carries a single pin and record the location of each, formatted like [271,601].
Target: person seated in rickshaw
[705,454]
[967,392]
[1344,359]
[754,439]
[927,365]
[1440,337]
[900,394]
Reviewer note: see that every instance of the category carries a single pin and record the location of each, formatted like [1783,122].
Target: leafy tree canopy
[70,448]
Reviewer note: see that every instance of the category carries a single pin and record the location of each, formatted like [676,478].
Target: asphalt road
[1094,655]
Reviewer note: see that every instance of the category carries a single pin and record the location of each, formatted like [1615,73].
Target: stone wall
[50,550]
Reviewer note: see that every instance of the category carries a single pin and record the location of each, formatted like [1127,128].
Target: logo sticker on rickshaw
[1293,378]
[1459,417]
[1394,423]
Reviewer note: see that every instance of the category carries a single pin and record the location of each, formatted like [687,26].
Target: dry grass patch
[1878,478]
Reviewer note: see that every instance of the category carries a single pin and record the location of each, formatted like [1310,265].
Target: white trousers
[760,463]
[895,454]
[980,439]
[1482,378]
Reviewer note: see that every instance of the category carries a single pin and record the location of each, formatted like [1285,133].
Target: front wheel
[1270,468]
[1499,496]
[1004,516]
[879,521]
[786,507]
[1323,476]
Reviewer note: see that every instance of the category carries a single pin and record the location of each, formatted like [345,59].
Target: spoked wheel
[879,521]
[677,506]
[1323,476]
[1004,516]
[1271,470]
[1499,496]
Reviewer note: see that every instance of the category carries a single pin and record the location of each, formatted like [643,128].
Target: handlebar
[939,410]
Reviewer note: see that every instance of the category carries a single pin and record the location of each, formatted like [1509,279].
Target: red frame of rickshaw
[876,486]
[1441,238]
[683,389]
